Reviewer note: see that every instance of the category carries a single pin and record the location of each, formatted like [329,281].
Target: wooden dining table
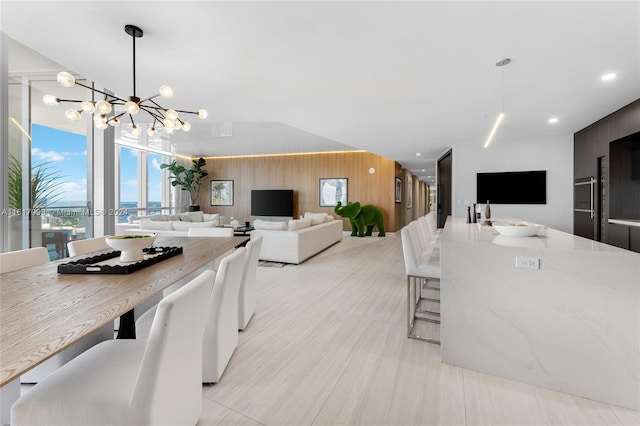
[43,312]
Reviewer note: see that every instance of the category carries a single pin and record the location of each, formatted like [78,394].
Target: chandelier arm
[99,91]
[150,98]
[152,113]
[186,112]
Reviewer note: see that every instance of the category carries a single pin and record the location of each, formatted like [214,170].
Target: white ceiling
[394,78]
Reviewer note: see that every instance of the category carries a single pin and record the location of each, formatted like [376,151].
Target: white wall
[553,155]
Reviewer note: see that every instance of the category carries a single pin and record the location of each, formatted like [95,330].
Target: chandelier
[104,110]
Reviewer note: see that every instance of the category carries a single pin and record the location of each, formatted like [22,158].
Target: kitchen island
[573,325]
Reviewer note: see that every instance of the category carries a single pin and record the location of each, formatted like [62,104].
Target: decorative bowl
[131,245]
[517,228]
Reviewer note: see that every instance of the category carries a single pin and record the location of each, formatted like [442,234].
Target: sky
[67,152]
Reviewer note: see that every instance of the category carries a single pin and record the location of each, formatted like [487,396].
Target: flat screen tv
[528,187]
[272,202]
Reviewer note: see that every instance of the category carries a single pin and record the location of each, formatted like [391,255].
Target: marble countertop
[628,222]
[459,231]
[569,324]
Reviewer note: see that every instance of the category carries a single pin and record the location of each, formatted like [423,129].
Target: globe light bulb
[171,114]
[186,126]
[50,100]
[168,130]
[103,107]
[151,131]
[169,124]
[135,130]
[101,125]
[131,107]
[99,118]
[66,79]
[113,121]
[72,114]
[87,106]
[166,92]
[203,114]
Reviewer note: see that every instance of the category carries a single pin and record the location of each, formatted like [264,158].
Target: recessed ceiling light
[423,170]
[418,154]
[553,120]
[608,76]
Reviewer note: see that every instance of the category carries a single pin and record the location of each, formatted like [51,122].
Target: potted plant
[45,189]
[188,179]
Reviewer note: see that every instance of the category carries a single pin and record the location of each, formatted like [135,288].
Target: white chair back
[210,232]
[247,295]
[169,377]
[409,252]
[221,332]
[20,259]
[416,243]
[431,220]
[78,247]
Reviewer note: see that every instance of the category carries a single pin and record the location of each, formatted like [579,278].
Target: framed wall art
[398,190]
[333,190]
[221,192]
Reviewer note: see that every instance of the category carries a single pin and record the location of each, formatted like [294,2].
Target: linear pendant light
[501,63]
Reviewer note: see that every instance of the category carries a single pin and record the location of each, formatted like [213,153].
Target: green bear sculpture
[360,217]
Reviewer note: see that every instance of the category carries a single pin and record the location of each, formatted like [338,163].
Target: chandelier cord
[133,36]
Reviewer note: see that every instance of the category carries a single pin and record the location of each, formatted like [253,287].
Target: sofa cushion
[329,218]
[192,216]
[265,224]
[215,217]
[316,218]
[184,226]
[295,224]
[156,225]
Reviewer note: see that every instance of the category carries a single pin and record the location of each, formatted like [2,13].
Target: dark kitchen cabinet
[618,235]
[614,193]
[634,239]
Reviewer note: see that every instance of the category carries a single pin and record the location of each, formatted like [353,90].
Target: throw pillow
[316,218]
[155,225]
[192,216]
[184,226]
[295,224]
[215,217]
[265,224]
[329,218]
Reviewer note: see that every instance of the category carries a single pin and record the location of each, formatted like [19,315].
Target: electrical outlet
[527,262]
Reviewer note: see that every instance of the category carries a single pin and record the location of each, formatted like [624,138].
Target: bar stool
[420,270]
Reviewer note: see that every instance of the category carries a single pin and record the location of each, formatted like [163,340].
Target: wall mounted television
[527,187]
[272,202]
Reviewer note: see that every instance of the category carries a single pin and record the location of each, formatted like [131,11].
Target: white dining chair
[247,294]
[79,247]
[210,232]
[156,381]
[221,332]
[20,259]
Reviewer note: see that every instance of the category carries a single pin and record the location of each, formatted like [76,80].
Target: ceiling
[393,78]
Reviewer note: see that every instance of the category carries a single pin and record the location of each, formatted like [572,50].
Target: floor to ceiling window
[47,159]
[143,187]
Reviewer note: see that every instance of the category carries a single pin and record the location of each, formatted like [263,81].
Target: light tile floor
[328,346]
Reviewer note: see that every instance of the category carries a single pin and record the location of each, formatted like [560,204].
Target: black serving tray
[89,265]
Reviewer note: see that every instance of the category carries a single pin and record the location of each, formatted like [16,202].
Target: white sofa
[291,245]
[168,225]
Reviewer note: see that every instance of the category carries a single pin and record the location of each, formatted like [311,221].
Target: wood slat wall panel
[302,173]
